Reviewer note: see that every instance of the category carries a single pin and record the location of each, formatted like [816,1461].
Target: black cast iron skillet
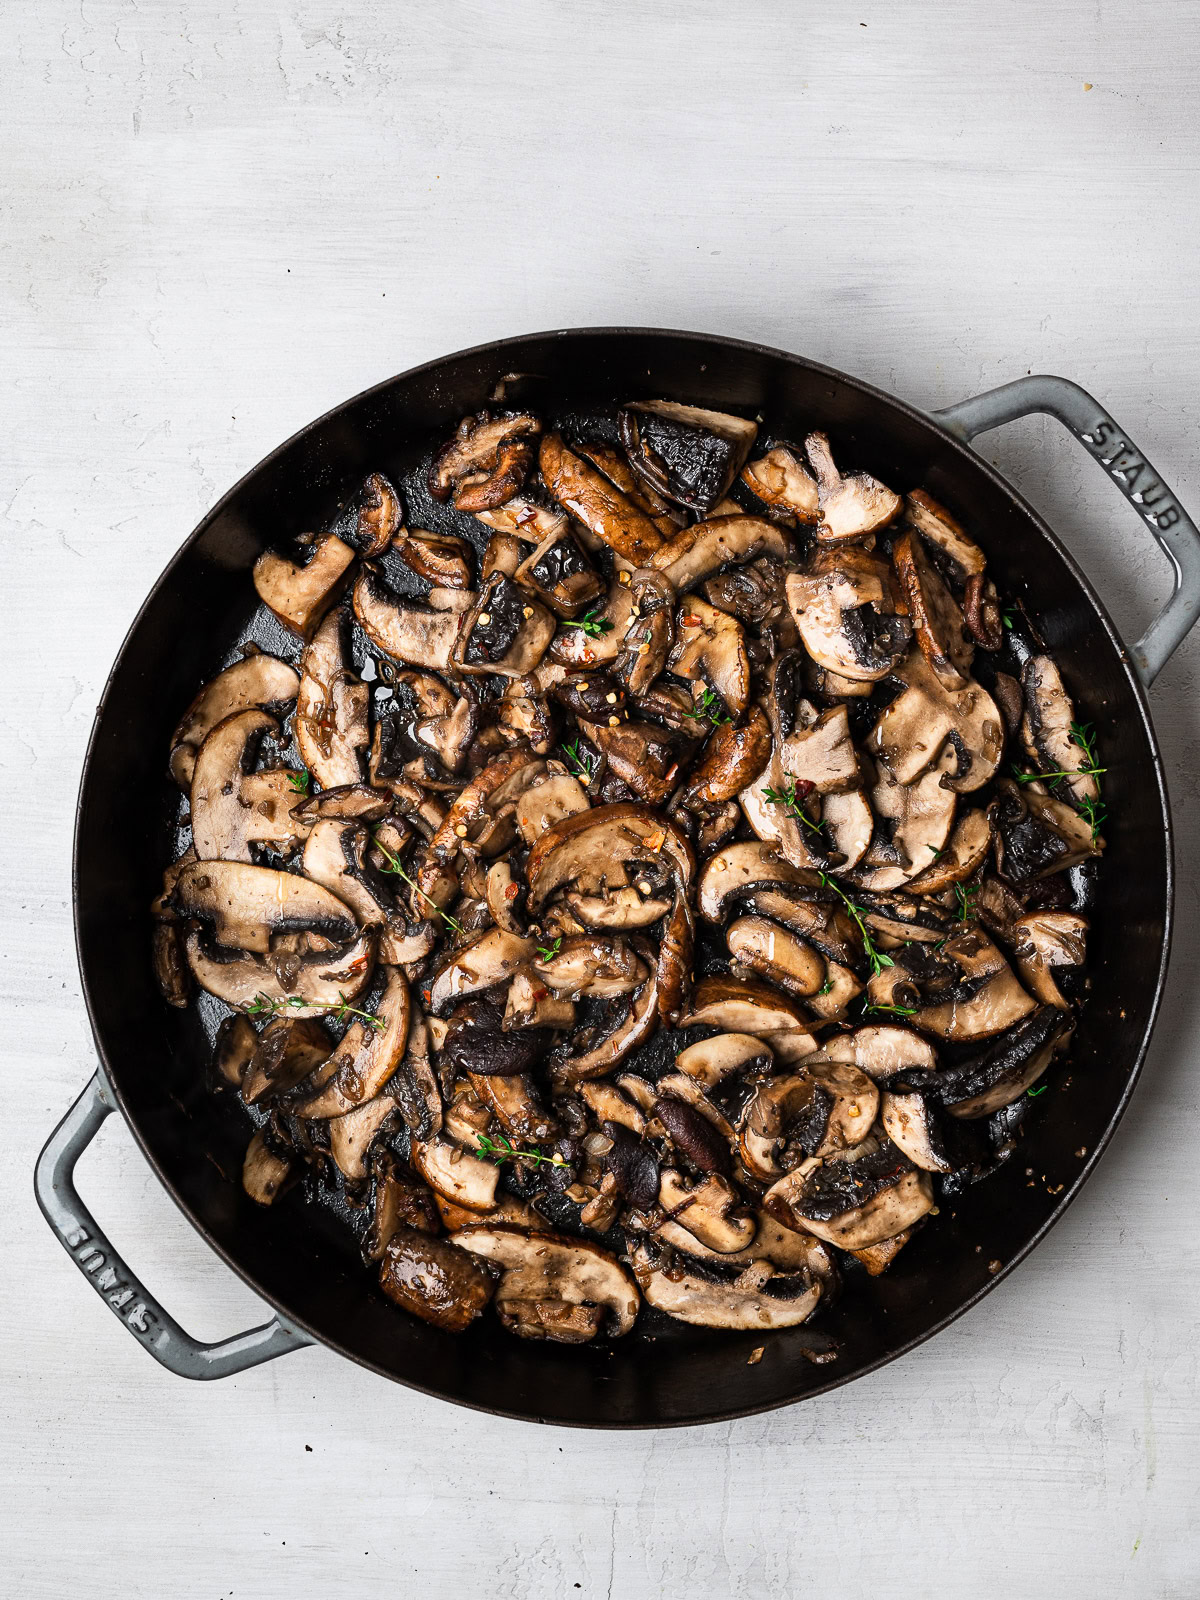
[153,1059]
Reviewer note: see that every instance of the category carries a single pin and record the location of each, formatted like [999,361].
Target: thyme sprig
[896,1011]
[876,957]
[710,706]
[583,765]
[791,803]
[393,865]
[502,1149]
[549,951]
[264,1006]
[592,623]
[299,781]
[1094,812]
[966,902]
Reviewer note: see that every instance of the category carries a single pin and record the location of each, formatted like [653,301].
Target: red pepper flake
[512,891]
[427,995]
[692,622]
[540,994]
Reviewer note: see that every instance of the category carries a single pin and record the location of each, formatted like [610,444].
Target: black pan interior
[302,1260]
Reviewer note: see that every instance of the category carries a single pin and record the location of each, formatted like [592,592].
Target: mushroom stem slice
[852,505]
[301,595]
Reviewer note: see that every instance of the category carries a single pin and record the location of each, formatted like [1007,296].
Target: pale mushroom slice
[313,985]
[852,505]
[881,1050]
[743,868]
[710,649]
[416,635]
[247,906]
[1043,941]
[265,1170]
[853,1203]
[556,795]
[973,994]
[523,519]
[486,462]
[442,559]
[927,720]
[819,751]
[910,1121]
[586,964]
[962,855]
[331,723]
[335,856]
[935,524]
[363,1063]
[938,622]
[710,1061]
[553,1286]
[697,552]
[849,823]
[530,1004]
[756,1298]
[712,1210]
[847,618]
[917,818]
[352,1135]
[233,807]
[258,680]
[1048,730]
[596,502]
[769,951]
[433,1279]
[491,958]
[781,481]
[743,1005]
[301,595]
[455,1174]
[686,453]
[786,1250]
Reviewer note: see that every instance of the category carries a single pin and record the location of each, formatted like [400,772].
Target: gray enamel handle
[1176,533]
[120,1289]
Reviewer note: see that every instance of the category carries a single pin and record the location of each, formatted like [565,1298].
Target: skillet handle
[121,1290]
[1176,533]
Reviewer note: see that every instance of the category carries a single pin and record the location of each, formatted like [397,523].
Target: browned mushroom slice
[335,856]
[733,757]
[530,1004]
[301,595]
[257,680]
[843,607]
[596,502]
[490,959]
[355,802]
[524,716]
[442,559]
[1011,1065]
[712,1210]
[233,807]
[332,706]
[962,855]
[233,1050]
[937,620]
[519,519]
[743,868]
[822,754]
[265,1170]
[593,844]
[781,482]
[1048,730]
[452,1172]
[697,552]
[614,464]
[469,824]
[552,1286]
[712,1060]
[853,1203]
[774,953]
[710,649]
[917,818]
[316,984]
[608,1104]
[543,804]
[379,516]
[785,1249]
[352,1135]
[689,454]
[597,1056]
[371,1050]
[583,964]
[401,1199]
[1044,940]
[506,631]
[433,1279]
[926,719]
[935,524]
[247,905]
[910,1122]
[742,1005]
[486,462]
[642,754]
[617,910]
[288,1049]
[853,504]
[979,995]
[559,574]
[756,1298]
[1037,835]
[507,1208]
[412,634]
[170,962]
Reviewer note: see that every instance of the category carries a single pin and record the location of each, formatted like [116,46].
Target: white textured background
[216,221]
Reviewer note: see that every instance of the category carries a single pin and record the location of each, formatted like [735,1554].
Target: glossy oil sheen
[297,1256]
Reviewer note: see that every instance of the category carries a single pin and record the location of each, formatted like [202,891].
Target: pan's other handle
[1129,469]
[120,1289]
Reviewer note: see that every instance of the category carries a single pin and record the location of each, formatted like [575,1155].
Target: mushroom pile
[662,879]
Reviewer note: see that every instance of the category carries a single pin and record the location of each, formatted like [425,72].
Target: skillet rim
[972,462]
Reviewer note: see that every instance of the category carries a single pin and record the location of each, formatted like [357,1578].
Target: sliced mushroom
[371,1050]
[843,607]
[331,727]
[320,982]
[355,802]
[981,997]
[756,1299]
[452,1172]
[711,1061]
[486,462]
[301,595]
[518,518]
[233,1049]
[781,482]
[560,575]
[822,754]
[265,1170]
[1044,940]
[379,516]
[849,824]
[959,859]
[169,959]
[506,631]
[597,503]
[937,620]
[642,754]
[558,795]
[258,680]
[593,846]
[545,1274]
[910,1122]
[1037,835]
[287,1050]
[583,964]
[617,910]
[490,959]
[233,807]
[697,552]
[1048,729]
[742,1005]
[1007,1068]
[916,821]
[352,1135]
[470,825]
[853,1203]
[530,1004]
[686,453]
[414,1086]
[712,1210]
[434,1279]
[732,758]
[935,524]
[711,649]
[599,1056]
[776,954]
[852,504]
[921,724]
[413,634]
[442,559]
[744,868]
[247,905]
[401,1201]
